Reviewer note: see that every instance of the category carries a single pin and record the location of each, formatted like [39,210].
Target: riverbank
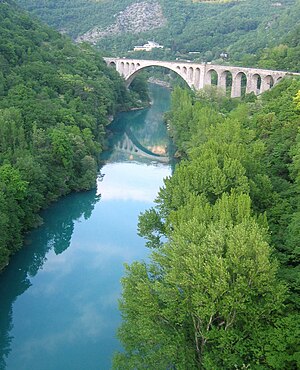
[75,259]
[159,82]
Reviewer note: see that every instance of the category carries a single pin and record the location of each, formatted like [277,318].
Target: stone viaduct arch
[198,75]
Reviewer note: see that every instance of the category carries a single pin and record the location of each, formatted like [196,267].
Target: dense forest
[241,29]
[221,289]
[55,99]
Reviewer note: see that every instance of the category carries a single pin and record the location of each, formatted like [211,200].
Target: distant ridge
[238,29]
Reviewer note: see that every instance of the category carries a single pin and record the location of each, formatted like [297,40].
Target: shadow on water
[55,234]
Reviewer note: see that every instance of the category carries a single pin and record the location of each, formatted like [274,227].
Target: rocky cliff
[138,17]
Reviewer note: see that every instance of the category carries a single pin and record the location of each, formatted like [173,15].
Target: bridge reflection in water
[128,144]
[142,135]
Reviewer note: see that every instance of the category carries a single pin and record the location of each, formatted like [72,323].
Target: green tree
[55,101]
[207,294]
[12,191]
[212,296]
[297,100]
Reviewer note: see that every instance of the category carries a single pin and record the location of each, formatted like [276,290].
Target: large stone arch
[183,73]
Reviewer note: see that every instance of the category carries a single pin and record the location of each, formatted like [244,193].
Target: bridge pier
[222,81]
[198,78]
[252,84]
[236,88]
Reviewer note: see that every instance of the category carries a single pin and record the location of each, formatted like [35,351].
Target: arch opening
[197,76]
[225,82]
[211,78]
[257,83]
[127,67]
[269,81]
[160,74]
[254,84]
[239,85]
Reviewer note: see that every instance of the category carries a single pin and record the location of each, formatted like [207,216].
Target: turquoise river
[59,295]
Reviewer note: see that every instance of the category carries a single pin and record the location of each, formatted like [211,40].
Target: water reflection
[54,234]
[58,297]
[129,145]
[141,135]
[140,186]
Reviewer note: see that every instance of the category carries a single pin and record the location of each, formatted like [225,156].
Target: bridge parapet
[199,75]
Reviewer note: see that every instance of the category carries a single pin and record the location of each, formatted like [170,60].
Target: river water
[59,295]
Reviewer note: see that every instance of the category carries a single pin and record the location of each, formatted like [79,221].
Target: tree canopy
[220,289]
[55,99]
[242,29]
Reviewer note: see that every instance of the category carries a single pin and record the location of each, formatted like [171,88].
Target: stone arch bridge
[198,75]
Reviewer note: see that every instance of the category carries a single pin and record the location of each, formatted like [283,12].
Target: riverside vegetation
[221,289]
[55,99]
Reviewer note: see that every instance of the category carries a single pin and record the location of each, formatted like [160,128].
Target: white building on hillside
[148,47]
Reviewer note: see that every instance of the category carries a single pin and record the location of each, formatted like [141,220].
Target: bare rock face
[136,18]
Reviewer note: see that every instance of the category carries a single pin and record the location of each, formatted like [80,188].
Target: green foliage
[277,124]
[241,28]
[12,192]
[55,99]
[297,100]
[213,295]
[139,87]
[199,303]
[285,55]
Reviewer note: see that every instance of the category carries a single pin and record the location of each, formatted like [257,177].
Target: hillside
[136,18]
[182,26]
[55,99]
